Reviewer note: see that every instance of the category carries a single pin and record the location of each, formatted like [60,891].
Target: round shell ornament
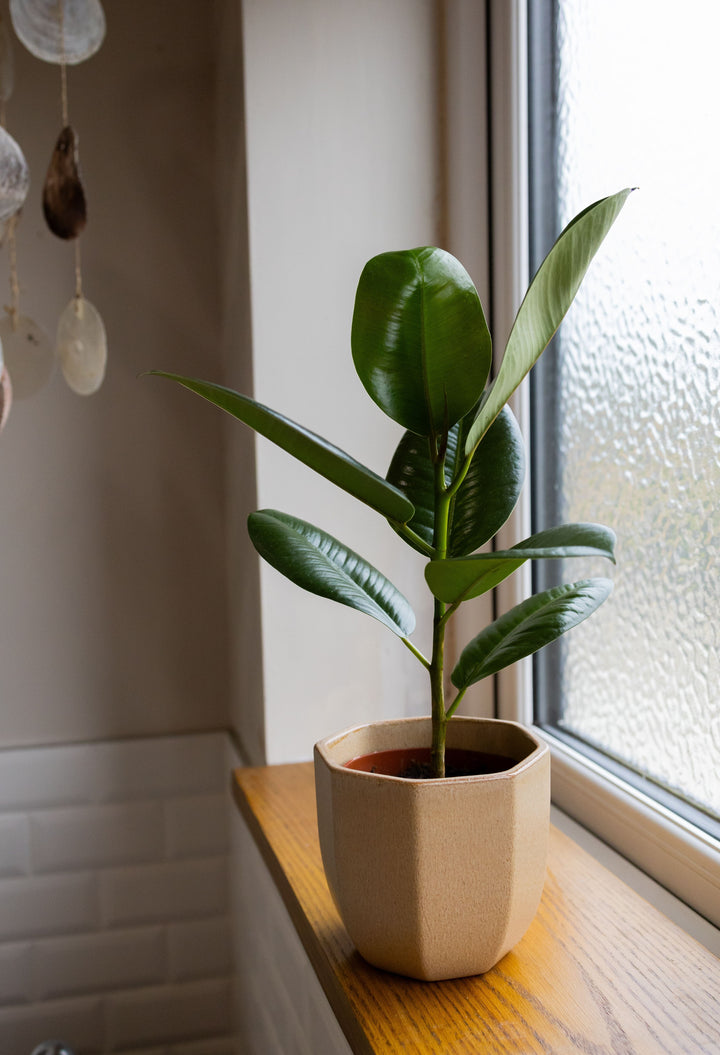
[14,176]
[29,355]
[7,62]
[38,26]
[5,397]
[81,346]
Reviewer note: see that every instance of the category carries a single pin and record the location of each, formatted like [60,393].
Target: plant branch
[457,482]
[416,652]
[454,705]
[413,537]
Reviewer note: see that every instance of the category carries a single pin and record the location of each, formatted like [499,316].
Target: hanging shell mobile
[81,346]
[14,176]
[36,24]
[63,195]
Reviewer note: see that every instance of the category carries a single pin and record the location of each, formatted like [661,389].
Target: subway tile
[96,836]
[147,1051]
[165,892]
[166,1014]
[165,766]
[14,845]
[39,777]
[200,949]
[15,973]
[71,966]
[46,905]
[78,1022]
[322,1029]
[222,1046]
[197,826]
[153,767]
[257,1016]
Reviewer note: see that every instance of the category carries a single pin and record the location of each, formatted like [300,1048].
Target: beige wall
[342,163]
[242,162]
[112,589]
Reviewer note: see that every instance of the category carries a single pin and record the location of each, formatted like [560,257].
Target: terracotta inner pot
[415,763]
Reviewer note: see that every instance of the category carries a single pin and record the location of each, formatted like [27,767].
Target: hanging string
[66,122]
[78,271]
[63,65]
[14,309]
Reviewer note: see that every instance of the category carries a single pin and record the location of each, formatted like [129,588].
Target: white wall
[341,164]
[112,588]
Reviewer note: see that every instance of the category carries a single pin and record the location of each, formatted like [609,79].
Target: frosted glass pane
[639,381]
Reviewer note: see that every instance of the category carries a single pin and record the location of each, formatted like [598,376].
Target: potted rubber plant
[434,830]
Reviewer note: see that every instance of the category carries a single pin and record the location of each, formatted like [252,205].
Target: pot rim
[540,749]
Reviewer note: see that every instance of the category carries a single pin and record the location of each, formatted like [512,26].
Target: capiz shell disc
[5,397]
[37,24]
[14,176]
[7,62]
[28,355]
[81,346]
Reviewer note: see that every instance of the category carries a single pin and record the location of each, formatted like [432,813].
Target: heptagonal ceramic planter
[434,879]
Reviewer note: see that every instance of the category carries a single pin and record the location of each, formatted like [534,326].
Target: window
[625,416]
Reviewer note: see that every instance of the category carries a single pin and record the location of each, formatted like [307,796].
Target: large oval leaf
[420,342]
[528,627]
[319,563]
[487,495]
[312,450]
[546,302]
[463,578]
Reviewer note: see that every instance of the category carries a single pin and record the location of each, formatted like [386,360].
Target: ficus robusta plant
[422,349]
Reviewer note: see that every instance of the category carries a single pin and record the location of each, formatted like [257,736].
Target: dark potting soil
[415,764]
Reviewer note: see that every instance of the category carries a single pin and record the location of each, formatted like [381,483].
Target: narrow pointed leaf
[488,493]
[463,578]
[528,627]
[546,302]
[312,450]
[420,343]
[317,562]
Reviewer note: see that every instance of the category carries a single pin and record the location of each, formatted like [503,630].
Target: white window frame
[681,857]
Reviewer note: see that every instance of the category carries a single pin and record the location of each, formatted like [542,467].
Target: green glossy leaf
[420,342]
[462,578]
[411,471]
[546,302]
[487,495]
[528,627]
[489,492]
[319,563]
[312,450]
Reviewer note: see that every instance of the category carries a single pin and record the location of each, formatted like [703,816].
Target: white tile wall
[127,882]
[114,925]
[281,1007]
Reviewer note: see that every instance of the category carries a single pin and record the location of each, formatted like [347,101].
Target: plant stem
[440,542]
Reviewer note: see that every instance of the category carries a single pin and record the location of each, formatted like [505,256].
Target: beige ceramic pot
[434,878]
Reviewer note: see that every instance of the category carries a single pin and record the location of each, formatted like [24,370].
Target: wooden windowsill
[599,972]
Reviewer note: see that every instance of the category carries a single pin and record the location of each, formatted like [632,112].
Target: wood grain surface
[600,971]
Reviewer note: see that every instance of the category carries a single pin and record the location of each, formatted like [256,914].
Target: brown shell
[63,194]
